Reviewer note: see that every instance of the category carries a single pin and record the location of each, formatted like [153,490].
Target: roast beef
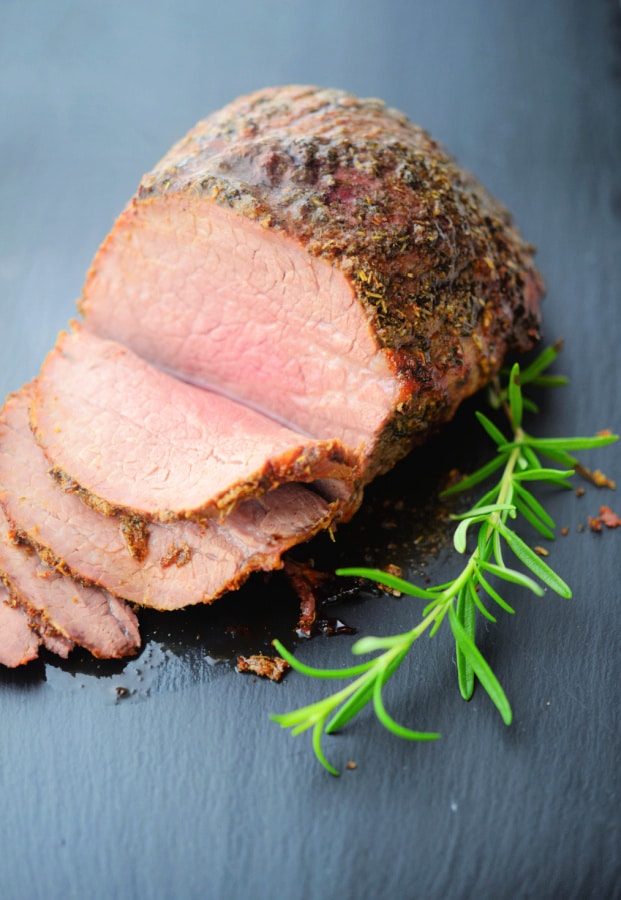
[320,258]
[22,632]
[301,290]
[182,562]
[86,616]
[19,642]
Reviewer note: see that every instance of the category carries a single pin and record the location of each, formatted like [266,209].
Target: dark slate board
[184,788]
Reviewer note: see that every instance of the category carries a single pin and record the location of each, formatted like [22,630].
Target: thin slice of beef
[86,616]
[51,638]
[19,641]
[23,632]
[323,259]
[139,442]
[183,562]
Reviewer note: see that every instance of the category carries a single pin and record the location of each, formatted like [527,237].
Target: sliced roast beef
[19,642]
[302,288]
[183,562]
[320,258]
[140,442]
[22,632]
[51,638]
[89,617]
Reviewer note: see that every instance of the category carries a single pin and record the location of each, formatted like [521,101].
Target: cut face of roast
[245,311]
[138,441]
[181,562]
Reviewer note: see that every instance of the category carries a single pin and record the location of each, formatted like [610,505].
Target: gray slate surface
[184,789]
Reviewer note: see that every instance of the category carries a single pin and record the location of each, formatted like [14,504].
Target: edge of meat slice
[23,631]
[19,641]
[86,616]
[137,441]
[173,564]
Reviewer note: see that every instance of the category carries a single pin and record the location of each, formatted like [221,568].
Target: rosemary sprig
[478,586]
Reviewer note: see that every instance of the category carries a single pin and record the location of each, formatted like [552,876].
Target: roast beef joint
[304,288]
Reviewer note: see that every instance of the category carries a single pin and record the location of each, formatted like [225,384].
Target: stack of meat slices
[299,292]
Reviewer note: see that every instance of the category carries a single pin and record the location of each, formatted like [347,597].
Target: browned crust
[272,667]
[178,555]
[135,531]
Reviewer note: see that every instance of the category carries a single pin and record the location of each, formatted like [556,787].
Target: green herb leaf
[465,614]
[387,580]
[481,668]
[515,398]
[534,562]
[471,480]
[389,723]
[495,433]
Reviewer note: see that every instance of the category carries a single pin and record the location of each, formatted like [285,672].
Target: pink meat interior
[227,304]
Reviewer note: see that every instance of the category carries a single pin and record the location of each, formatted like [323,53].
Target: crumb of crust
[541,551]
[565,531]
[606,517]
[602,480]
[597,477]
[351,764]
[179,555]
[272,667]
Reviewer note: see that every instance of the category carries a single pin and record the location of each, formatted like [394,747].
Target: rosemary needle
[486,528]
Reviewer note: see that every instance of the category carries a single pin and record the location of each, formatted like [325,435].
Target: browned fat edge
[68,484]
[38,623]
[51,560]
[304,465]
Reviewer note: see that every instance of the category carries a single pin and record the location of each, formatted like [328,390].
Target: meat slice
[183,562]
[88,617]
[51,638]
[19,642]
[139,442]
[320,258]
[22,632]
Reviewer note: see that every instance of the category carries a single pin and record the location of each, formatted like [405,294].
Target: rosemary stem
[460,598]
[447,597]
